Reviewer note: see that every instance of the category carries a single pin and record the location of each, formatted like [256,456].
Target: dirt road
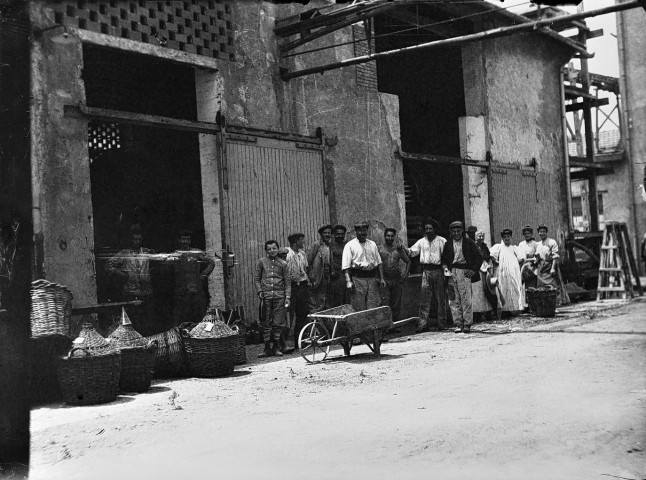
[520,400]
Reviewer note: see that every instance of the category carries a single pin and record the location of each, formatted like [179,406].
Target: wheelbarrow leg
[376,342]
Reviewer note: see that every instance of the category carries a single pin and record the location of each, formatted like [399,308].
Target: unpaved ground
[524,399]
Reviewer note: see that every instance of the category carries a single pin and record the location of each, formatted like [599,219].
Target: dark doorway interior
[142,176]
[430,87]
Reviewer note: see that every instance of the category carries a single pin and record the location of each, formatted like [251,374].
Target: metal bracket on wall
[309,146]
[241,138]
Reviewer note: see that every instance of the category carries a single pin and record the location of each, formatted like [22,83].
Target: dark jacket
[471,255]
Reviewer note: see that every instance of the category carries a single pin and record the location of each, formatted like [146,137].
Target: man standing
[191,267]
[319,259]
[430,249]
[361,263]
[297,265]
[528,271]
[272,282]
[461,261]
[471,232]
[337,291]
[391,255]
[131,266]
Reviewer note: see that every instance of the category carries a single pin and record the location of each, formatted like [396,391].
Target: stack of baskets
[542,300]
[137,356]
[211,348]
[51,309]
[169,357]
[90,373]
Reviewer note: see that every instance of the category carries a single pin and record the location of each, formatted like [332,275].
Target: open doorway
[142,177]
[430,87]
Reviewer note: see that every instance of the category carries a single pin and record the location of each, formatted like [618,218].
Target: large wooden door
[521,197]
[272,188]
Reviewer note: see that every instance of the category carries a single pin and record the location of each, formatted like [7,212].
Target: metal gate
[271,188]
[520,197]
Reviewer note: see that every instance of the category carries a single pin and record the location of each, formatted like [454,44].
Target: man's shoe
[466,329]
[266,352]
[458,330]
[278,353]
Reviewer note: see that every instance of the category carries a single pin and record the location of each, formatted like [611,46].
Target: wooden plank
[631,258]
[359,322]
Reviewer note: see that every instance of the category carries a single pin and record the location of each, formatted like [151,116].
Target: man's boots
[267,352]
[275,349]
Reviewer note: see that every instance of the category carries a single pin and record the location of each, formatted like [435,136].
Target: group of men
[457,271]
[130,268]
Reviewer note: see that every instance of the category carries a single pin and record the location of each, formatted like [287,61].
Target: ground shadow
[364,357]
[156,389]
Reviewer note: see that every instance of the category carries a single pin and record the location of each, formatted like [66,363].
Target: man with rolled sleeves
[391,256]
[461,261]
[337,294]
[361,264]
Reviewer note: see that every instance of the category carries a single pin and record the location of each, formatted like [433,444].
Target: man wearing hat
[549,262]
[297,265]
[507,259]
[337,293]
[430,248]
[361,263]
[461,260]
[319,259]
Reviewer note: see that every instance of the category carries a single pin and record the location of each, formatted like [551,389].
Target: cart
[314,340]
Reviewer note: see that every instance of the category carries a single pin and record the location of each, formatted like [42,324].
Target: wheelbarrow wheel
[308,342]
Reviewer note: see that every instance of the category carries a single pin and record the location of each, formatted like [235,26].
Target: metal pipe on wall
[566,153]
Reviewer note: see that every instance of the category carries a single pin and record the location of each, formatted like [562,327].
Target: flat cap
[457,223]
[361,225]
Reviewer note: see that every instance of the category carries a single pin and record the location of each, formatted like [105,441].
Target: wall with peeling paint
[367,179]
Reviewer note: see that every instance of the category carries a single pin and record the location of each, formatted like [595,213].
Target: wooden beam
[424,23]
[583,174]
[573,107]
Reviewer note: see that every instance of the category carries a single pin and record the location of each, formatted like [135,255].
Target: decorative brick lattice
[101,137]
[366,72]
[196,26]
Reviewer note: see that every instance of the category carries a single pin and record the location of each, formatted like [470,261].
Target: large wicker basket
[211,348]
[137,356]
[542,301]
[170,359]
[90,373]
[51,309]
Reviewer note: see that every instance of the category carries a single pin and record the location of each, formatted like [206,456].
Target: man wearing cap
[297,265]
[337,291]
[361,263]
[391,256]
[461,260]
[319,259]
[273,285]
[548,266]
[528,271]
[430,249]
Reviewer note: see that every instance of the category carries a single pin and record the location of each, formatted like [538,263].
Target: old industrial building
[194,115]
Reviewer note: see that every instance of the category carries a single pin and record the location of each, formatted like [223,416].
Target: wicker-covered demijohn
[542,300]
[241,348]
[137,356]
[211,348]
[90,373]
[170,359]
[51,309]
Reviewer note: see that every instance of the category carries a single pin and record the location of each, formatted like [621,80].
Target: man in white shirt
[430,248]
[360,264]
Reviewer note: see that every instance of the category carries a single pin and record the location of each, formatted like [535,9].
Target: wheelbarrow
[370,326]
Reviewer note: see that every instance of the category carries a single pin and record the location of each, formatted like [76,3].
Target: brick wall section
[197,26]
[366,72]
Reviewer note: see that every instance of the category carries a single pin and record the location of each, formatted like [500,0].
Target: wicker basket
[542,301]
[241,348]
[90,373]
[137,356]
[211,348]
[170,360]
[51,309]
[44,353]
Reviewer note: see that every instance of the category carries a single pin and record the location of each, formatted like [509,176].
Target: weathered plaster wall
[514,83]
[367,179]
[60,167]
[632,66]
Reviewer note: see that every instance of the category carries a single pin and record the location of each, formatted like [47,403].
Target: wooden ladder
[617,267]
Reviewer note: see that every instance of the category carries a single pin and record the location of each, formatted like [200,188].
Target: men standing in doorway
[391,256]
[430,249]
[297,265]
[273,285]
[461,261]
[131,266]
[191,267]
[319,259]
[337,291]
[361,263]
